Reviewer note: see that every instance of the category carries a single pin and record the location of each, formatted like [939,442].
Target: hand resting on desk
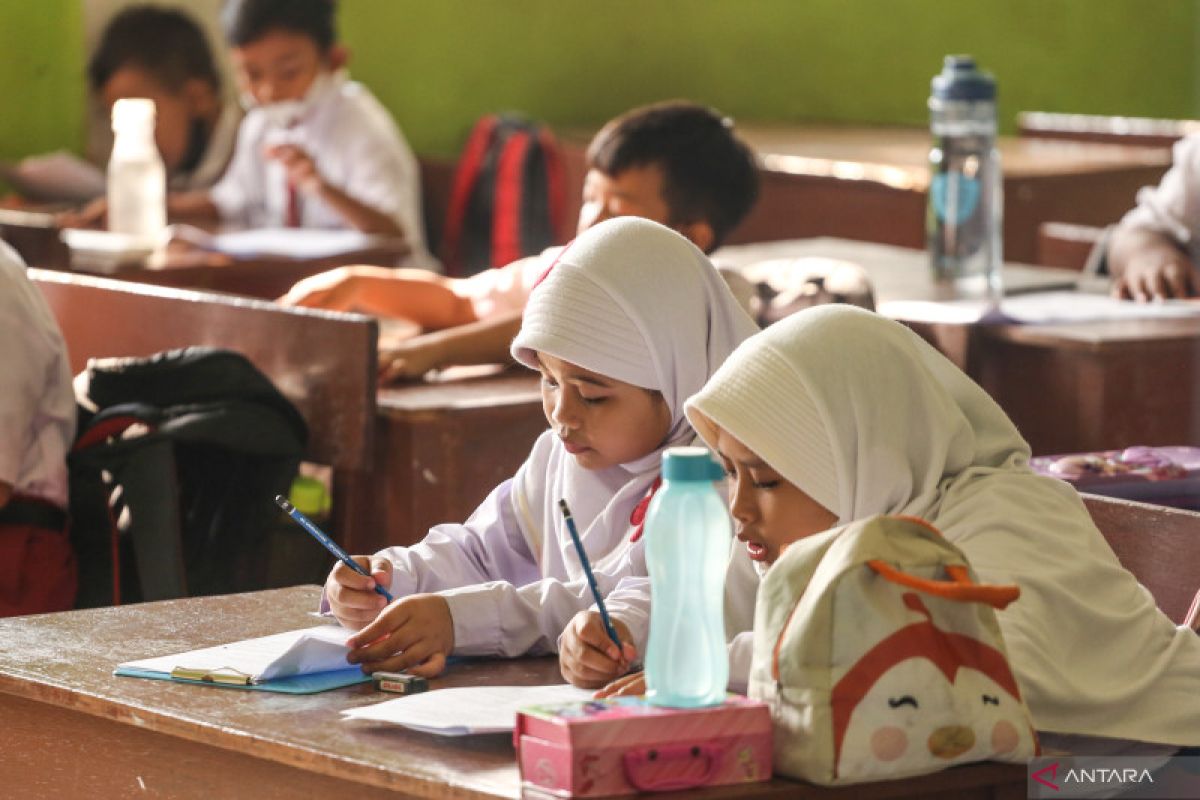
[415,634]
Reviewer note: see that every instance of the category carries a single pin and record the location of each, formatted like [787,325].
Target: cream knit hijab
[865,417]
[635,301]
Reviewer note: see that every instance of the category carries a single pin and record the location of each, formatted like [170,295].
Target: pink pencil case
[1163,475]
[623,745]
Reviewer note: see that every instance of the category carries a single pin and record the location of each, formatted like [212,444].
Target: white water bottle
[137,180]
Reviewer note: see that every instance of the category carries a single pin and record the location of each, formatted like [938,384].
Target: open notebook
[296,662]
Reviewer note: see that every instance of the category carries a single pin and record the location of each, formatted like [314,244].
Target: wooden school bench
[442,445]
[69,723]
[324,362]
[1160,546]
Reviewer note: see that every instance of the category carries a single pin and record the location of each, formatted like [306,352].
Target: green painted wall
[41,76]
[439,64]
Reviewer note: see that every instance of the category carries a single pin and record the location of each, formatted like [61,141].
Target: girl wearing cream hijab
[629,322]
[836,414]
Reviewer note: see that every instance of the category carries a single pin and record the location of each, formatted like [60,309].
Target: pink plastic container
[624,746]
[1167,476]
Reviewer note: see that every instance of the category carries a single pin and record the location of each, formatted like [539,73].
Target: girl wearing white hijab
[629,322]
[861,417]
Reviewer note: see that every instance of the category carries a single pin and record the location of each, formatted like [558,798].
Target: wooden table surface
[1068,387]
[899,156]
[73,729]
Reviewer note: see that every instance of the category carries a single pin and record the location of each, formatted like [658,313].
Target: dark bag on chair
[507,199]
[173,473]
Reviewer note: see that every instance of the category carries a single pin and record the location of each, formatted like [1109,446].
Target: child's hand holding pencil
[586,654]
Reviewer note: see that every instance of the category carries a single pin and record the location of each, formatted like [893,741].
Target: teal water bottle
[688,536]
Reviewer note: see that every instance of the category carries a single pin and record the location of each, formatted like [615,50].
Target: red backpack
[507,198]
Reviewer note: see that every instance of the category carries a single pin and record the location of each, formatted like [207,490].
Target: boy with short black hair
[316,149]
[162,54]
[675,162]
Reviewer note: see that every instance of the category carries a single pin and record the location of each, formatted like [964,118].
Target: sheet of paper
[1040,308]
[298,243]
[310,650]
[55,177]
[468,709]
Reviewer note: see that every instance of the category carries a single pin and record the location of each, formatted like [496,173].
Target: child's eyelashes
[593,401]
[731,475]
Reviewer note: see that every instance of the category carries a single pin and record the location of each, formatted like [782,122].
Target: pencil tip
[562,504]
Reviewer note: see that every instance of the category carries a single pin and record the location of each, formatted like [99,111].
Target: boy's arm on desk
[483,342]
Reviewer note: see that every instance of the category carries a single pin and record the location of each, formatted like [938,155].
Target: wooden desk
[71,726]
[35,236]
[870,183]
[1068,388]
[265,277]
[441,447]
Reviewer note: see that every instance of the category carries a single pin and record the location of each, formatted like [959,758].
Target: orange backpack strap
[960,587]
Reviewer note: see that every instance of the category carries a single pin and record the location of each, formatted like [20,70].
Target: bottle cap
[690,464]
[309,496]
[961,79]
[132,113]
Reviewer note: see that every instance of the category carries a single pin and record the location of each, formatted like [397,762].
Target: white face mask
[285,113]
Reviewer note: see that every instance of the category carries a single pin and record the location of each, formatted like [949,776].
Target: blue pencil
[587,570]
[330,545]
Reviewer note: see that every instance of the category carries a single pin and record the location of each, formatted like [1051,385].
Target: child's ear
[698,233]
[337,57]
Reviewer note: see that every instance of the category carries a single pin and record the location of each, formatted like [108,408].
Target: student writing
[837,415]
[630,321]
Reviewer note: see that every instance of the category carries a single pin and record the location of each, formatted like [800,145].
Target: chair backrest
[1159,545]
[323,362]
[1112,130]
[1064,244]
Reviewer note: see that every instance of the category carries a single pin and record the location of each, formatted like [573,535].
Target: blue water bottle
[688,536]
[966,194]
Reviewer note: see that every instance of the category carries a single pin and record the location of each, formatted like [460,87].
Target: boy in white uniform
[315,150]
[37,425]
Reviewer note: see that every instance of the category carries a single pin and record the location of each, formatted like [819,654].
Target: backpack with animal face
[880,657]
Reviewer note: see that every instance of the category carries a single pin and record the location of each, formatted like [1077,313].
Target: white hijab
[865,417]
[632,300]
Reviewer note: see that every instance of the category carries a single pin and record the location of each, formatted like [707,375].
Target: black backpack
[173,475]
[507,199]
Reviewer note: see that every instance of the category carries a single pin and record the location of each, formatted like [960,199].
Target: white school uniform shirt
[37,403]
[637,302]
[356,147]
[1173,207]
[866,418]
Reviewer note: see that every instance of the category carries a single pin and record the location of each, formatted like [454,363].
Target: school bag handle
[960,587]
